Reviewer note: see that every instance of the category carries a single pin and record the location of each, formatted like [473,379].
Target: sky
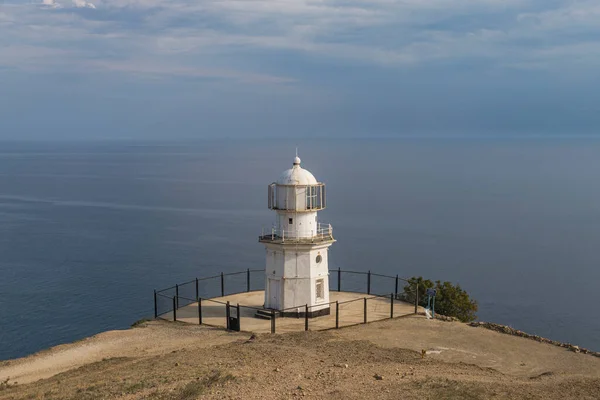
[187,69]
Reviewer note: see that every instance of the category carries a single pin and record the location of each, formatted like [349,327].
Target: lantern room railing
[323,233]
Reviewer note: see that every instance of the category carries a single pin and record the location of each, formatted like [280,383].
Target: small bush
[450,300]
[5,384]
[140,322]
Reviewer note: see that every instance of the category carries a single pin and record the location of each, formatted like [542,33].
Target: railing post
[248,280]
[339,279]
[337,315]
[239,317]
[369,282]
[272,321]
[416,297]
[396,291]
[199,311]
[174,310]
[227,315]
[365,312]
[222,285]
[306,317]
[177,294]
[155,306]
[392,305]
[197,292]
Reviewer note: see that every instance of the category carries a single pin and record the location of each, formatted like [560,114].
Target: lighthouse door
[274,293]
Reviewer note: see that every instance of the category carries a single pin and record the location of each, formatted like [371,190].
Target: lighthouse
[297,273]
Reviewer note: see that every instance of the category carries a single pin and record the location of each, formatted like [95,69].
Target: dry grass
[318,365]
[196,388]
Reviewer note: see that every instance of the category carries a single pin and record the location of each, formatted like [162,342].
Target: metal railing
[323,232]
[195,302]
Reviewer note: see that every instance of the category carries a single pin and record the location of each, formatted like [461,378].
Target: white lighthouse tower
[297,272]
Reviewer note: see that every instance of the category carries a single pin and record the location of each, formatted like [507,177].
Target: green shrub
[450,300]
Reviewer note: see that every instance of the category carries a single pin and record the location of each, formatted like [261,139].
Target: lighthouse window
[319,259]
[320,289]
[311,197]
[291,221]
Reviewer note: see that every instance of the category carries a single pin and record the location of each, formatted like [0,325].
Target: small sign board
[234,324]
[431,292]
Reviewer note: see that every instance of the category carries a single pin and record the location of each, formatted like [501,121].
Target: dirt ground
[381,360]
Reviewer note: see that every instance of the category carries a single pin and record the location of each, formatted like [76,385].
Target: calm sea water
[87,231]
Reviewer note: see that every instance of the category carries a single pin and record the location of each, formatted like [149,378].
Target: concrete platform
[351,312]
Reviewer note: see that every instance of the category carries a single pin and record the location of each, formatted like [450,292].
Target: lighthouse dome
[297,175]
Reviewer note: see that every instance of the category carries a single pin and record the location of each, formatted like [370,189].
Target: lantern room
[297,190]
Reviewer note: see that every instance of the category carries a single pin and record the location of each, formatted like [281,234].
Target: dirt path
[154,338]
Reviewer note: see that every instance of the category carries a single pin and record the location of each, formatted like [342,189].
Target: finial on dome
[297,159]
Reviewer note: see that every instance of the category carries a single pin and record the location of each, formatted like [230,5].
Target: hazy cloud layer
[385,32]
[305,44]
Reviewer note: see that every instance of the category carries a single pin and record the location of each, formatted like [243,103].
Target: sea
[89,229]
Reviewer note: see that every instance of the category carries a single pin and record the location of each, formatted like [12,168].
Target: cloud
[83,4]
[50,3]
[75,3]
[573,15]
[234,35]
[144,67]
[374,62]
